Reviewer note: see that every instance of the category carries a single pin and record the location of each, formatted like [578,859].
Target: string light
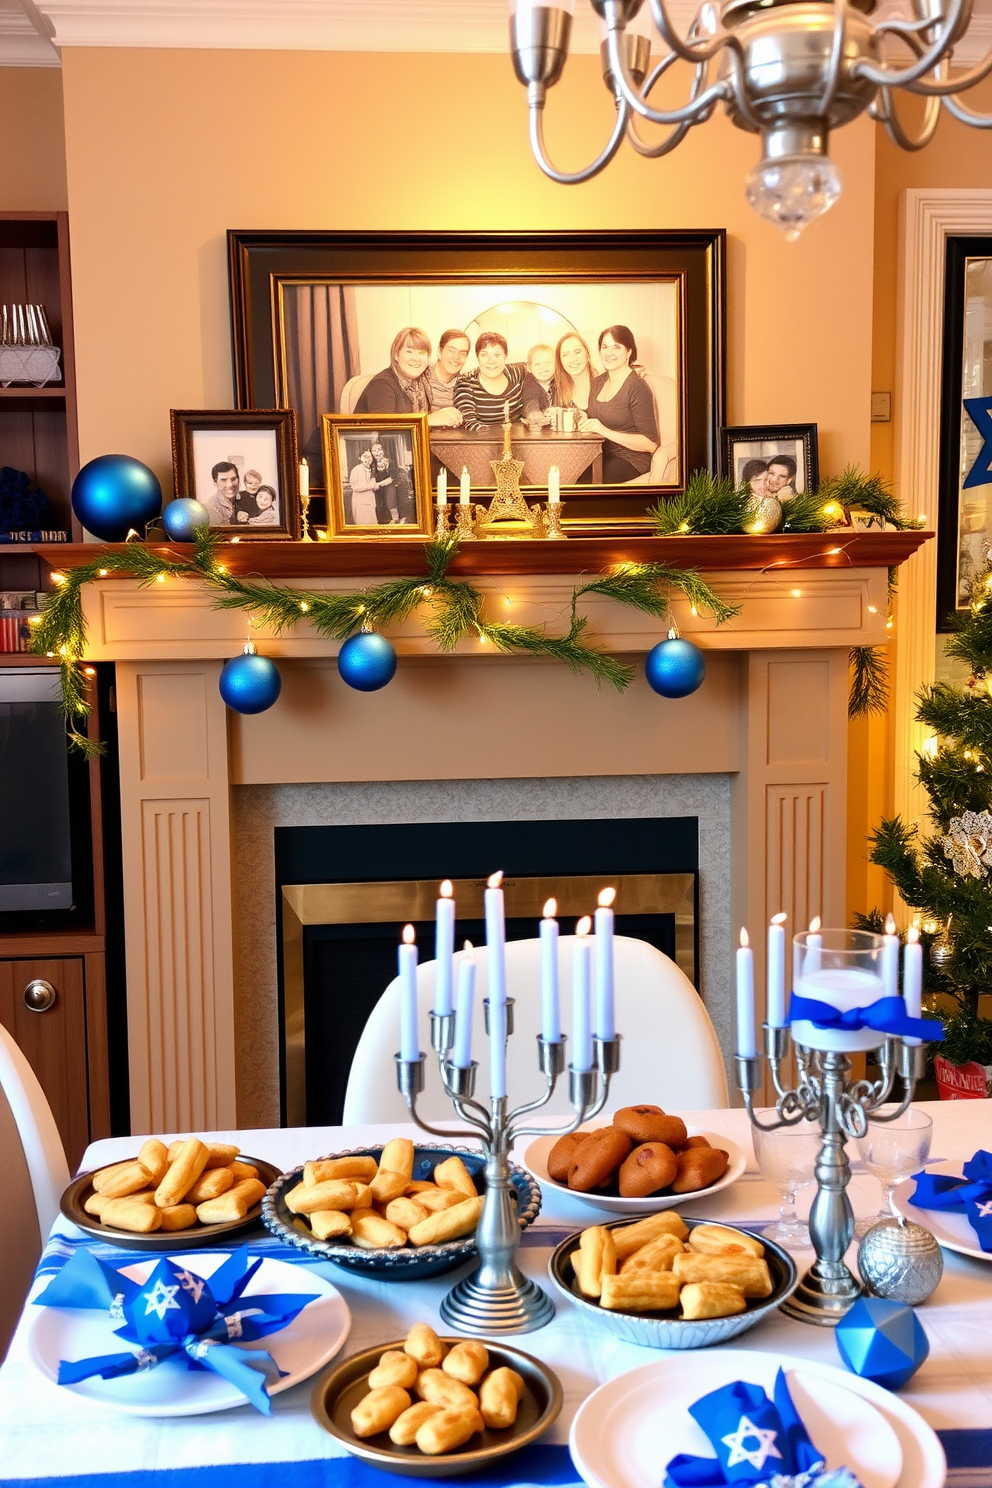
[872,610]
[102,573]
[797,593]
[58,578]
[304,606]
[160,578]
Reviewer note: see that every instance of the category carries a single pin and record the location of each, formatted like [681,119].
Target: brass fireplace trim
[414,899]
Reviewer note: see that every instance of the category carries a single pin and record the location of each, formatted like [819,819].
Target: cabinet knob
[40,996]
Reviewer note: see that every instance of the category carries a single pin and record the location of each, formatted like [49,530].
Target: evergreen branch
[710,505]
[956,780]
[567,649]
[953,714]
[804,513]
[867,493]
[869,692]
[644,586]
[440,553]
[456,613]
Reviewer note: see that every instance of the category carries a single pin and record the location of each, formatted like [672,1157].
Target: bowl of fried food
[669,1282]
[399,1211]
[435,1407]
[644,1160]
[192,1191]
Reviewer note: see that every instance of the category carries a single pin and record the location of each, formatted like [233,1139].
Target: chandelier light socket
[539,38]
[638,49]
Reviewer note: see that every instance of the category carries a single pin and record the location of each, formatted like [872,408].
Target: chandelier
[787,70]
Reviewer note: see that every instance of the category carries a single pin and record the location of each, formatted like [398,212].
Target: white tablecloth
[47,1431]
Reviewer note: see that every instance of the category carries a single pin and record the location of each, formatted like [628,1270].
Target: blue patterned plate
[411,1263]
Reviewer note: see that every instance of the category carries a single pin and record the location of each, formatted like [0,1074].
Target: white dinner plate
[535,1160]
[950,1229]
[616,1434]
[302,1348]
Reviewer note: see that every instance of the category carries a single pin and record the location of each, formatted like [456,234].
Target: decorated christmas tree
[945,872]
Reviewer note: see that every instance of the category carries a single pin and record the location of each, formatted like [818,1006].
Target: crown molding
[24,36]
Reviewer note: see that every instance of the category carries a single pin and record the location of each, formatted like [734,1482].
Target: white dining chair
[33,1175]
[669,1056]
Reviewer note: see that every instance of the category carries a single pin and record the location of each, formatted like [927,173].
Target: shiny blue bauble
[182,517]
[367,661]
[882,1341]
[114,493]
[250,683]
[674,668]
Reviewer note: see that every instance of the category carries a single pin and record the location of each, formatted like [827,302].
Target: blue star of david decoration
[979,410]
[882,1341]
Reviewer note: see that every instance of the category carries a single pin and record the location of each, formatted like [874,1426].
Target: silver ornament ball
[900,1261]
[940,953]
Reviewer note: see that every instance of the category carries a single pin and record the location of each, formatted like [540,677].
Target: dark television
[39,800]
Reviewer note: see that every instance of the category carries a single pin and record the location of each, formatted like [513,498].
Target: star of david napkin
[176,1313]
[756,1440]
[971,1195]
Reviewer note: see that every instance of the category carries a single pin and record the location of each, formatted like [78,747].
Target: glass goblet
[787,1157]
[892,1151]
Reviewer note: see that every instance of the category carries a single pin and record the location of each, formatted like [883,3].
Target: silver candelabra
[497,1297]
[824,1092]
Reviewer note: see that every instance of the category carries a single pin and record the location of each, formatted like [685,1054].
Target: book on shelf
[15,631]
[42,535]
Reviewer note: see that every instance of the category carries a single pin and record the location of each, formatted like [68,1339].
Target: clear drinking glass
[787,1157]
[892,1151]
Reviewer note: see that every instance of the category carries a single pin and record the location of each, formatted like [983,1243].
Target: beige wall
[32,154]
[166,150]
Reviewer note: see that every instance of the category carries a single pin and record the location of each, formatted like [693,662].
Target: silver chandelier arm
[943,85]
[536,95]
[888,115]
[678,131]
[966,115]
[693,112]
[951,23]
[836,58]
[685,49]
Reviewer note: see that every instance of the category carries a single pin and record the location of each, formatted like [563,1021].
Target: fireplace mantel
[771,716]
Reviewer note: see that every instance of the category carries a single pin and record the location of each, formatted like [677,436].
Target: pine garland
[454,610]
[869,691]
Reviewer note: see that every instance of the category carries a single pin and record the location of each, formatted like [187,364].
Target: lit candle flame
[550,909]
[890,924]
[779,919]
[494,880]
[814,925]
[745,941]
[409,935]
[584,925]
[469,950]
[606,897]
[446,889]
[912,935]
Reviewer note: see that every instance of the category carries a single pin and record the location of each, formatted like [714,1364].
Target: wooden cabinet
[66,1043]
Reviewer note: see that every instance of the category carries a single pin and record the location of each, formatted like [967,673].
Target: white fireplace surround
[258,810]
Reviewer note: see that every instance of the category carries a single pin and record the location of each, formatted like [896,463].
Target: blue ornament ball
[250,683]
[882,1341]
[675,668]
[114,493]
[367,661]
[182,517]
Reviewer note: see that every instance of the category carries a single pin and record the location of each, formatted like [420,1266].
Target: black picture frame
[950,514]
[800,441]
[261,263]
[224,429]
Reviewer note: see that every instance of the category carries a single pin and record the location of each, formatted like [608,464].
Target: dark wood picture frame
[281,423]
[801,436]
[950,515]
[261,263]
[366,427]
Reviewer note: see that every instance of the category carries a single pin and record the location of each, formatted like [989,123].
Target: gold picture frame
[391,494]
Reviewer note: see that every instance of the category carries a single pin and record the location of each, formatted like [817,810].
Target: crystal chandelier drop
[788,70]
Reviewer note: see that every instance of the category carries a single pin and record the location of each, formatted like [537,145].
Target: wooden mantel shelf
[843,548]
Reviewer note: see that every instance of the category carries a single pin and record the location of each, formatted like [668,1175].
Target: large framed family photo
[604,351]
[243,467]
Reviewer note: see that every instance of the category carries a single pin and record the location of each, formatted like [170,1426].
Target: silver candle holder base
[825,1093]
[497,1297]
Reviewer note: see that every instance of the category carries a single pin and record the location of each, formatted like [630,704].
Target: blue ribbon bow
[177,1313]
[756,1440]
[971,1195]
[887,1015]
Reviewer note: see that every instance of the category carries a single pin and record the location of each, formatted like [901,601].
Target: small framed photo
[773,459]
[242,465]
[379,474]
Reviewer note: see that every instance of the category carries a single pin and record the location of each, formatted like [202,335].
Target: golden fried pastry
[183,1171]
[241,1170]
[231,1205]
[628,1238]
[448,1429]
[131,1214]
[641,1123]
[423,1344]
[449,1224]
[435,1385]
[561,1156]
[657,1255]
[377,1410]
[211,1183]
[452,1173]
[436,1199]
[330,1224]
[397,1157]
[371,1232]
[595,1258]
[153,1156]
[403,1432]
[746,1271]
[177,1216]
[499,1397]
[364,1168]
[712,1239]
[645,1291]
[387,1185]
[467,1362]
[597,1159]
[405,1212]
[650,1167]
[122,1179]
[333,1193]
[711,1299]
[699,1167]
[394,1368]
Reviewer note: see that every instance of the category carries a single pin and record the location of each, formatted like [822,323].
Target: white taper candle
[581,990]
[409,1039]
[550,1000]
[745,999]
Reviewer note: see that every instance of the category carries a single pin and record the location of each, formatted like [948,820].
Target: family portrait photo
[772,460]
[379,474]
[241,467]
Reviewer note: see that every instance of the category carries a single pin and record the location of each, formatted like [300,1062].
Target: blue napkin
[886,1015]
[971,1195]
[756,1440]
[178,1313]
